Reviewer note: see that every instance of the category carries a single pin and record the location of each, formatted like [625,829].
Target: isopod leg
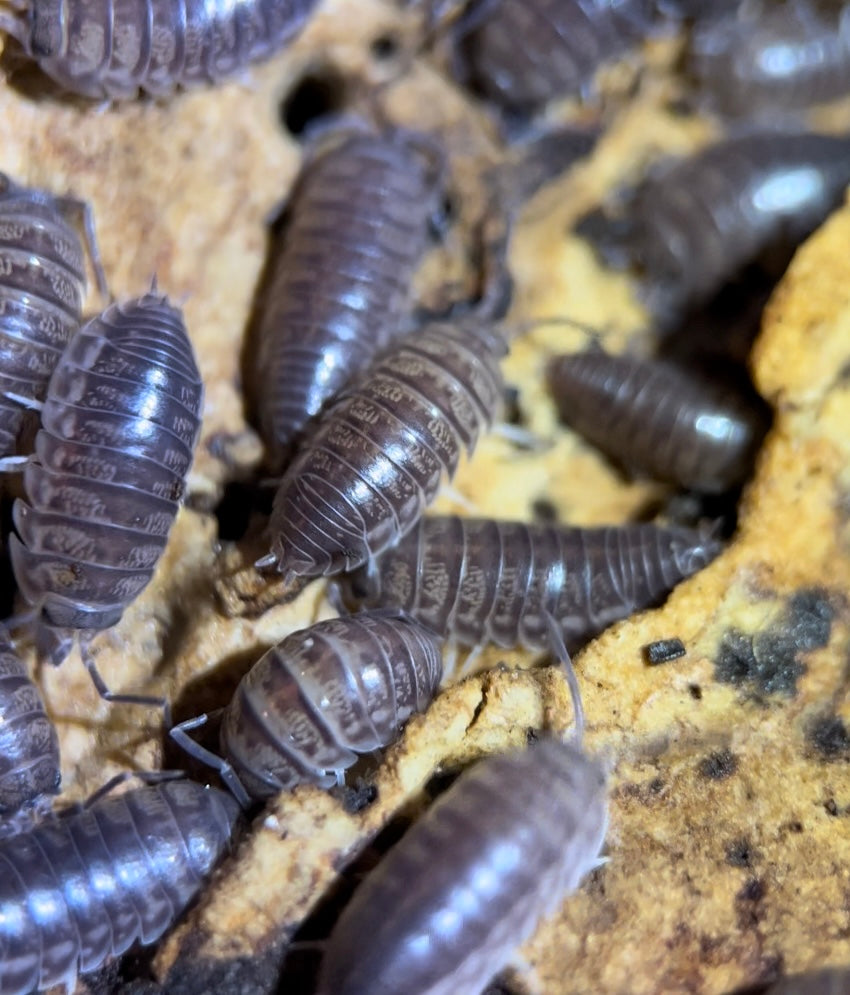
[80,212]
[116,697]
[228,775]
[15,25]
[147,776]
[559,650]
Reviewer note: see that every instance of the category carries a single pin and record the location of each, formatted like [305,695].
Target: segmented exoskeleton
[484,581]
[696,222]
[42,284]
[119,426]
[317,700]
[375,462]
[356,226]
[658,420]
[110,50]
[78,890]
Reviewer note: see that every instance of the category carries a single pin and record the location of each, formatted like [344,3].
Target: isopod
[767,59]
[521,54]
[42,284]
[81,889]
[485,581]
[317,700]
[659,420]
[356,227]
[119,427]
[375,462]
[110,50]
[467,884]
[697,222]
[29,748]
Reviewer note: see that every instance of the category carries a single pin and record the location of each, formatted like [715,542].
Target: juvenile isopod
[77,890]
[375,462]
[119,426]
[109,50]
[766,58]
[29,748]
[697,222]
[317,700]
[468,883]
[485,581]
[356,226]
[659,420]
[42,284]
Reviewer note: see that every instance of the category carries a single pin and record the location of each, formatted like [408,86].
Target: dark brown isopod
[119,427]
[523,53]
[467,884]
[29,748]
[42,283]
[483,581]
[697,222]
[317,700]
[355,228]
[78,890]
[659,421]
[375,462]
[762,58]
[109,50]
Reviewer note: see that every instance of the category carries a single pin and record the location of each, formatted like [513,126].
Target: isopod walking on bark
[42,284]
[355,228]
[317,700]
[110,50]
[449,904]
[79,889]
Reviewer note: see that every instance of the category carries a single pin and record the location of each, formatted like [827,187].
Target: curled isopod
[356,226]
[109,50]
[467,884]
[520,54]
[766,58]
[317,700]
[29,747]
[119,426]
[77,890]
[375,462]
[42,283]
[484,581]
[697,222]
[661,421]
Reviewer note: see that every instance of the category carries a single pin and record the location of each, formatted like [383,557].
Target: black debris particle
[828,735]
[384,48]
[739,853]
[663,651]
[656,785]
[695,692]
[719,765]
[830,807]
[358,796]
[544,511]
[810,616]
[511,410]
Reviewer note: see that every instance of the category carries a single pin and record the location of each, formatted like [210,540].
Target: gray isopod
[660,421]
[109,50]
[29,747]
[356,226]
[484,581]
[42,283]
[77,890]
[317,700]
[119,426]
[375,462]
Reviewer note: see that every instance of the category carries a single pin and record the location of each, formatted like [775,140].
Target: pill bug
[356,226]
[485,581]
[664,651]
[42,284]
[375,462]
[108,50]
[467,884]
[696,222]
[317,700]
[520,54]
[119,427]
[29,747]
[662,421]
[78,890]
[762,59]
